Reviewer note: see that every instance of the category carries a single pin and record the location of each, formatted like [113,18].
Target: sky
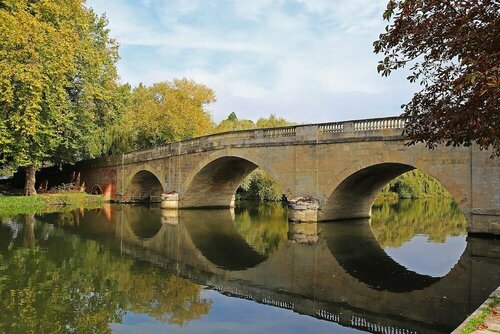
[308,61]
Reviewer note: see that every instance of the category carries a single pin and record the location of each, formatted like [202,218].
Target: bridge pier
[484,221]
[170,200]
[303,209]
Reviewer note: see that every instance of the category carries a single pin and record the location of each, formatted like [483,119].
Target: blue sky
[305,60]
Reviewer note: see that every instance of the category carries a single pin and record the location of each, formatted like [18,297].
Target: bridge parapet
[300,134]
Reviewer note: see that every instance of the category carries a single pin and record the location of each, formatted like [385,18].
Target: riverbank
[11,205]
[486,319]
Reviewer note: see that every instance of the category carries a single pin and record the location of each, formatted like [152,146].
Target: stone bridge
[340,166]
[336,277]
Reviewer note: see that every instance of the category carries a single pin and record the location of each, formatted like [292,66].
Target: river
[411,268]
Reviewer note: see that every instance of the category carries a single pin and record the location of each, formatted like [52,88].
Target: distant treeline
[259,186]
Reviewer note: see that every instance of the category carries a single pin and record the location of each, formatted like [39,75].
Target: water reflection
[215,235]
[144,221]
[394,223]
[264,227]
[425,236]
[352,243]
[86,271]
[73,285]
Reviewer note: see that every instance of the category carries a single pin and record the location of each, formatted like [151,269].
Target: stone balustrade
[379,127]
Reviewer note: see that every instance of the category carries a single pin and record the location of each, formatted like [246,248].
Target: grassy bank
[10,205]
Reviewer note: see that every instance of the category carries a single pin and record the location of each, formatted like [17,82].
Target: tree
[453,48]
[232,123]
[57,83]
[163,113]
[273,122]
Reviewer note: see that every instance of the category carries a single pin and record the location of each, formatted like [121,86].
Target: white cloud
[262,56]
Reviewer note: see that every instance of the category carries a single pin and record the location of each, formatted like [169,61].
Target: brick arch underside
[144,187]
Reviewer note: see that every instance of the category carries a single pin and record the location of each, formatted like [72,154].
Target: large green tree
[163,113]
[453,49]
[58,85]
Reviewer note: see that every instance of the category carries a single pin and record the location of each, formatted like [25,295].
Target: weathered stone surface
[342,165]
[303,209]
[170,200]
[493,323]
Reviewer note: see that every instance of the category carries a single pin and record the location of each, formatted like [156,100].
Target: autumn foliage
[453,51]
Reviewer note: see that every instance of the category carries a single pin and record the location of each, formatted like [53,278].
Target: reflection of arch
[144,186]
[144,222]
[215,181]
[359,185]
[96,190]
[215,236]
[354,246]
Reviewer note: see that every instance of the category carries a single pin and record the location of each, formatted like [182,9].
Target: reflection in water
[395,223]
[216,237]
[89,271]
[358,252]
[68,285]
[144,221]
[426,236]
[264,226]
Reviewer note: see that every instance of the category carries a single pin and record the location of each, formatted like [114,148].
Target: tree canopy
[233,123]
[57,83]
[453,50]
[163,113]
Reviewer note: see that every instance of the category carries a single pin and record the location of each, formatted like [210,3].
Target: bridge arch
[144,185]
[354,190]
[213,183]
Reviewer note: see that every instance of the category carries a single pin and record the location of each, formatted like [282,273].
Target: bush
[259,186]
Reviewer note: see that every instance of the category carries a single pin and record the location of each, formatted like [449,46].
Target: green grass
[11,205]
[475,322]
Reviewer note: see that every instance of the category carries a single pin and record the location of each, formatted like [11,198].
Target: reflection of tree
[263,226]
[164,297]
[395,223]
[69,285]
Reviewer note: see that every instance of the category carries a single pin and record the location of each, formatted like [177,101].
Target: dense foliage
[163,113]
[416,184]
[453,48]
[259,186]
[58,87]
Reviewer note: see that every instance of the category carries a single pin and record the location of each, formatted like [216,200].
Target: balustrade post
[348,127]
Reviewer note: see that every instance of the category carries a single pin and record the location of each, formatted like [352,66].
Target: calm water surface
[135,269]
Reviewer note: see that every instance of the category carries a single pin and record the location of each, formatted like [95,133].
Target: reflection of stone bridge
[341,165]
[335,278]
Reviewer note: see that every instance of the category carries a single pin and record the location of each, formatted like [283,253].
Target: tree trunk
[29,185]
